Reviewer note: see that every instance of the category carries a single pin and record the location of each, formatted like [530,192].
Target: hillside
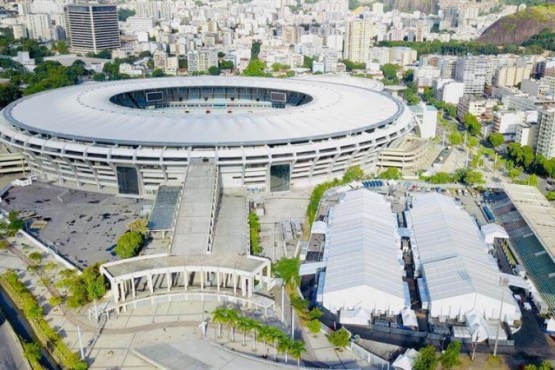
[426,6]
[519,27]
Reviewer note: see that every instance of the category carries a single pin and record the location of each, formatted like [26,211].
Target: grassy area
[33,312]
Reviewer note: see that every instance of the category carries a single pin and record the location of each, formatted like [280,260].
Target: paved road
[11,356]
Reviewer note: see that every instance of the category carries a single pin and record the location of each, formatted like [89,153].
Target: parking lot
[81,226]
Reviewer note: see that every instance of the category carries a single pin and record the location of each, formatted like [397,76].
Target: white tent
[319,227]
[492,231]
[358,316]
[406,360]
[409,318]
[458,272]
[361,253]
[550,325]
[476,326]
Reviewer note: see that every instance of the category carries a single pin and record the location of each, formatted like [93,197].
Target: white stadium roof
[84,112]
[454,258]
[362,247]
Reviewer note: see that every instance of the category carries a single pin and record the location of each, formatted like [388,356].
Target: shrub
[129,244]
[339,338]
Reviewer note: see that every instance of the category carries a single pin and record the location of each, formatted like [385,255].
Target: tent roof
[361,245]
[451,250]
[492,231]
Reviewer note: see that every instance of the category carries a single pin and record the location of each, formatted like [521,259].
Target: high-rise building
[92,27]
[201,60]
[38,26]
[472,71]
[546,134]
[358,38]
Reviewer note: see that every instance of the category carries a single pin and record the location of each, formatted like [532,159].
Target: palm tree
[254,326]
[264,334]
[284,344]
[275,335]
[232,319]
[219,316]
[297,348]
[244,324]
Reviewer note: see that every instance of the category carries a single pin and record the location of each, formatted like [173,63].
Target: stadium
[131,136]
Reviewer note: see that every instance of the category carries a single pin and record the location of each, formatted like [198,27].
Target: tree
[390,174]
[550,195]
[214,71]
[450,357]
[13,224]
[244,325]
[308,62]
[353,173]
[32,353]
[455,138]
[297,348]
[472,124]
[314,326]
[513,174]
[231,319]
[496,139]
[99,77]
[255,68]
[288,270]
[473,178]
[408,76]
[265,335]
[339,338]
[128,244]
[226,64]
[123,14]
[140,225]
[219,316]
[158,73]
[390,70]
[440,178]
[284,345]
[36,257]
[9,93]
[426,359]
[532,180]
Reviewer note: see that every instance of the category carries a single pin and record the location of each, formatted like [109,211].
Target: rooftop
[363,244]
[538,213]
[84,112]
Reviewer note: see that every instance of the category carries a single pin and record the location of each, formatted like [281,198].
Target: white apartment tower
[472,71]
[358,38]
[546,134]
[92,27]
[201,60]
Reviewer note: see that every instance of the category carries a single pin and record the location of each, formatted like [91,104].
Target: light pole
[503,282]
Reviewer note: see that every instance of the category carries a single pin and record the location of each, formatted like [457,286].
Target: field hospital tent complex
[364,265]
[458,272]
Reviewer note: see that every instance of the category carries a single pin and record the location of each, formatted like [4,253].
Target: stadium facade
[131,136]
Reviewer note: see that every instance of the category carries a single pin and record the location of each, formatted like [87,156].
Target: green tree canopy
[450,357]
[339,338]
[496,139]
[390,174]
[353,173]
[129,244]
[426,359]
[473,178]
[288,270]
[472,124]
[214,71]
[455,138]
[255,68]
